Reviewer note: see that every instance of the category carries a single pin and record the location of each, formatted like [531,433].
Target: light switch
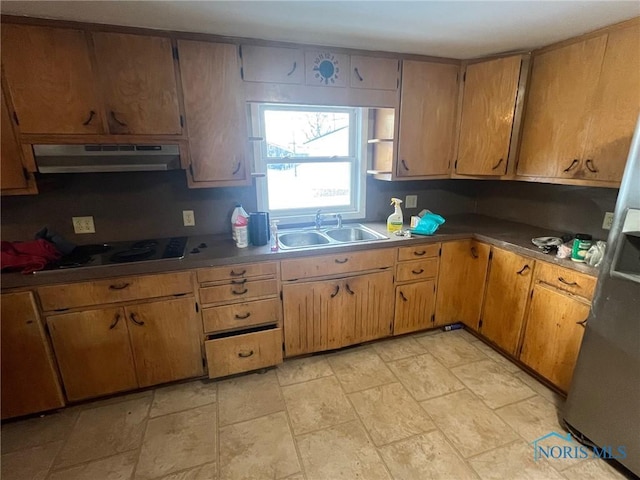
[411,201]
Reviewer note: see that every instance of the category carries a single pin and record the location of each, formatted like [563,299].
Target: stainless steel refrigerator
[603,405]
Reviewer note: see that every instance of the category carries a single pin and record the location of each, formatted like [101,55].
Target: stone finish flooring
[435,405]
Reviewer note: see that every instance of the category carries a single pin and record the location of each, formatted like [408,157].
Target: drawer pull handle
[336,292]
[497,164]
[115,119]
[583,323]
[133,318]
[239,293]
[295,65]
[404,299]
[351,292]
[573,164]
[591,167]
[341,261]
[237,169]
[115,322]
[571,284]
[88,120]
[243,317]
[420,253]
[119,286]
[237,274]
[417,272]
[474,252]
[238,282]
[245,355]
[358,74]
[523,269]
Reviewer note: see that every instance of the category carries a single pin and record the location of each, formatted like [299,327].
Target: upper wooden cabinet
[56,89]
[488,110]
[582,108]
[272,64]
[375,73]
[428,103]
[215,113]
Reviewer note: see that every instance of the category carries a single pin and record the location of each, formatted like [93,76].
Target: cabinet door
[215,110]
[552,336]
[488,107]
[428,104]
[461,279]
[616,107]
[561,93]
[415,307]
[12,175]
[166,339]
[374,73]
[51,80]
[312,316]
[272,64]
[93,352]
[29,378]
[505,298]
[139,83]
[371,300]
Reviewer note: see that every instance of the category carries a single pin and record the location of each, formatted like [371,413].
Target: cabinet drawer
[417,270]
[241,315]
[59,297]
[231,272]
[565,279]
[238,292]
[418,251]
[349,262]
[242,353]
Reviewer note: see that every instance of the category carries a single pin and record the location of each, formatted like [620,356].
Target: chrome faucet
[318,219]
[339,219]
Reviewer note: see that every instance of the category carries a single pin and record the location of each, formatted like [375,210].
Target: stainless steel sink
[308,238]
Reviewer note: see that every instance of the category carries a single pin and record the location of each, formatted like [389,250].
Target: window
[312,159]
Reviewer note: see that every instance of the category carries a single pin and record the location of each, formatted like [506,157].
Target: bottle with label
[240,226]
[395,220]
[581,245]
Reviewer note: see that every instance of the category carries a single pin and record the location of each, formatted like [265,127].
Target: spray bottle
[395,220]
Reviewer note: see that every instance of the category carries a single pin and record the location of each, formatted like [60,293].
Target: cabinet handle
[403,297]
[474,252]
[497,164]
[295,65]
[420,253]
[239,282]
[591,167]
[571,284]
[358,74]
[351,292]
[336,292]
[245,355]
[523,269]
[417,272]
[341,261]
[115,322]
[237,169]
[119,286]
[115,119]
[133,318]
[239,293]
[573,164]
[404,165]
[88,120]
[583,323]
[233,273]
[243,317]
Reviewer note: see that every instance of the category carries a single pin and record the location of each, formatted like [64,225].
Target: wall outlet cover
[607,221]
[188,218]
[411,201]
[83,225]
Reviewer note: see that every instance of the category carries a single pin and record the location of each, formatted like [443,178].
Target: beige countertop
[221,250]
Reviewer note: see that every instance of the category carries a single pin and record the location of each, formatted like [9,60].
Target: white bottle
[274,236]
[240,226]
[395,220]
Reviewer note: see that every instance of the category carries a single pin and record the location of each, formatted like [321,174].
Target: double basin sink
[310,237]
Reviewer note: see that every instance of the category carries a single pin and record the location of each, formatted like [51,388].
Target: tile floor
[440,405]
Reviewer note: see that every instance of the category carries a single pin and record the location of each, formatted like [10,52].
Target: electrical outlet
[83,225]
[608,221]
[188,218]
[411,201]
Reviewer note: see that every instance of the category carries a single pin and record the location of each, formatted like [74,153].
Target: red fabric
[28,256]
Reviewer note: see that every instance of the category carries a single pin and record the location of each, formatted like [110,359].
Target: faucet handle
[339,219]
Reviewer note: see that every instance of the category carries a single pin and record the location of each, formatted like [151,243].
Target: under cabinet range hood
[105,158]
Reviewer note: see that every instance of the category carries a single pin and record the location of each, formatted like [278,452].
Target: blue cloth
[428,224]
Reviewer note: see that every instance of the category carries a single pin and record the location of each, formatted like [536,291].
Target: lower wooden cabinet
[415,307]
[29,379]
[553,334]
[115,349]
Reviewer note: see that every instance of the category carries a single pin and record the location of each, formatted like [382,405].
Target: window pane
[306,133]
[308,185]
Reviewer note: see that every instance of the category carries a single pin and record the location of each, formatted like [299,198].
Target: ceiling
[457,29]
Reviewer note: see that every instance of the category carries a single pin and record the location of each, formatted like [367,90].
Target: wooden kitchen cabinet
[461,281]
[375,73]
[553,334]
[272,64]
[29,378]
[415,307]
[488,112]
[428,106]
[505,298]
[215,114]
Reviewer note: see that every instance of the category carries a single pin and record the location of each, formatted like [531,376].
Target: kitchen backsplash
[139,205]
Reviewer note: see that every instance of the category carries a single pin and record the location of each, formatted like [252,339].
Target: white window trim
[356,211]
